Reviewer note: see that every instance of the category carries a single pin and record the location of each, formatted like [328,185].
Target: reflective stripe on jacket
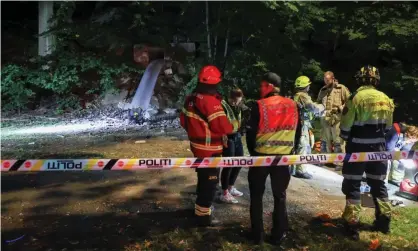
[277,126]
[366,117]
[205,122]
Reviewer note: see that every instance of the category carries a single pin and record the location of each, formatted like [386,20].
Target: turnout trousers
[280,178]
[331,135]
[207,180]
[375,174]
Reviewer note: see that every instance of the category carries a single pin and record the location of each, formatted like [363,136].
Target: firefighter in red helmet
[206,124]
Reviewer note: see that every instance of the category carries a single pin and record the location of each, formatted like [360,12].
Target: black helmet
[368,75]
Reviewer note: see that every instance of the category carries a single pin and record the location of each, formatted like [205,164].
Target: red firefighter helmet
[210,75]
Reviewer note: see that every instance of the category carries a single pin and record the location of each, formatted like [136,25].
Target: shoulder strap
[397,128]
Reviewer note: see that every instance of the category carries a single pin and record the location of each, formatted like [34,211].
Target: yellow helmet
[302,82]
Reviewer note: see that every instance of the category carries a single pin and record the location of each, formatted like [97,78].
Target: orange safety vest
[277,127]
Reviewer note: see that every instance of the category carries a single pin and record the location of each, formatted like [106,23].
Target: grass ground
[152,211]
[313,237]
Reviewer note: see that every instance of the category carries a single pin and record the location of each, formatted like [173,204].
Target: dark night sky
[19,11]
[19,21]
[19,18]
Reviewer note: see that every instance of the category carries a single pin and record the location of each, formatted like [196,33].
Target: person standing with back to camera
[273,129]
[206,123]
[366,118]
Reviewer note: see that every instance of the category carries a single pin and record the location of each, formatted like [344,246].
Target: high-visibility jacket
[205,122]
[367,116]
[277,126]
[308,109]
[234,119]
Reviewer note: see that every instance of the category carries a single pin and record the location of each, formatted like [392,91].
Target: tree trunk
[336,40]
[215,46]
[207,30]
[226,46]
[226,43]
[45,42]
[226,40]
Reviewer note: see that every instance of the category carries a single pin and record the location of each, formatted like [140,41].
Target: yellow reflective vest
[235,120]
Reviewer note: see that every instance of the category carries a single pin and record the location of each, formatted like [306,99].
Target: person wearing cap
[273,129]
[206,124]
[308,110]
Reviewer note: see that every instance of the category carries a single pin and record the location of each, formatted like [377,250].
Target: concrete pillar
[45,43]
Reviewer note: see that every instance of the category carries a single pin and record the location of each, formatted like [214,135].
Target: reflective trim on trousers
[344,134]
[352,177]
[368,141]
[345,129]
[370,122]
[376,177]
[202,211]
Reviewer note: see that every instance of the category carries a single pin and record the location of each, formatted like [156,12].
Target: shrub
[60,75]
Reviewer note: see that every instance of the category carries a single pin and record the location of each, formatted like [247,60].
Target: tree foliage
[249,38]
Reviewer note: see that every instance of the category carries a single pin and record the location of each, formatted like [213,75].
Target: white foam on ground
[81,126]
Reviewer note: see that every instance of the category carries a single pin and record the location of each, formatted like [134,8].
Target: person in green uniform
[366,118]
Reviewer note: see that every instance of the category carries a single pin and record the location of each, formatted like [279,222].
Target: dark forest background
[94,42]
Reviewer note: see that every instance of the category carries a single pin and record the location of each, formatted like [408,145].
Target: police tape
[213,162]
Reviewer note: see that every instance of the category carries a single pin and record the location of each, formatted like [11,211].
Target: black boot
[351,231]
[256,237]
[277,239]
[382,224]
[207,221]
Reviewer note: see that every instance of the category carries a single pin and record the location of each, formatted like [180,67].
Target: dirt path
[57,210]
[116,210]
